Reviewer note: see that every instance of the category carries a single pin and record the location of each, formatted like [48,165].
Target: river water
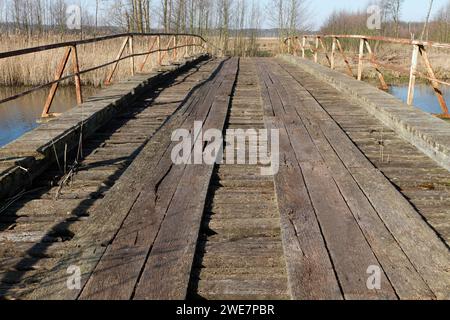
[424,96]
[22,115]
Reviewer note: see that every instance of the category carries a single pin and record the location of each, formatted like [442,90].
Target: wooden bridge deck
[350,195]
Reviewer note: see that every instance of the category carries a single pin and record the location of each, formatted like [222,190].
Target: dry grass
[39,68]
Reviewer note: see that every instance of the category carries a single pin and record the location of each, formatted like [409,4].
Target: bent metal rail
[192,44]
[297,44]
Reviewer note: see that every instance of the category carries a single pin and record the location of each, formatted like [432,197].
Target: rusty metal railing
[192,45]
[302,44]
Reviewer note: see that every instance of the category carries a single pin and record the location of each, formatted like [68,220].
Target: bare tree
[393,10]
[425,26]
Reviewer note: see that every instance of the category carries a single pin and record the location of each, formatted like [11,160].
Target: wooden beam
[360,58]
[76,71]
[159,50]
[303,46]
[316,53]
[333,54]
[175,51]
[131,49]
[412,75]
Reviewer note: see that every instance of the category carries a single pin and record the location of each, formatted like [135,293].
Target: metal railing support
[419,47]
[59,73]
[114,68]
[192,43]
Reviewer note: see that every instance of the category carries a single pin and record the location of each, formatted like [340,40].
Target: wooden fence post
[76,71]
[360,58]
[316,53]
[412,75]
[175,51]
[303,46]
[333,53]
[159,50]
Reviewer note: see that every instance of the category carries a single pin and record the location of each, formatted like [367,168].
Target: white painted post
[333,52]
[316,53]
[303,46]
[360,58]
[412,75]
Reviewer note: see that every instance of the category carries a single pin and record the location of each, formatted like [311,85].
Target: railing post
[158,40]
[174,52]
[360,58]
[303,46]
[205,47]
[186,48]
[316,53]
[76,71]
[412,75]
[131,48]
[333,53]
[58,76]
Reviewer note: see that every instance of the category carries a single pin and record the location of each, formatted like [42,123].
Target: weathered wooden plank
[168,269]
[120,268]
[91,238]
[310,270]
[426,252]
[349,250]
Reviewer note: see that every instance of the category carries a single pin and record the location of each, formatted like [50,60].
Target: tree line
[428,27]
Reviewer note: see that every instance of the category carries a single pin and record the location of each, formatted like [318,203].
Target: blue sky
[413,10]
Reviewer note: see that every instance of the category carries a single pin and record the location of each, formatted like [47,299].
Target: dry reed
[39,68]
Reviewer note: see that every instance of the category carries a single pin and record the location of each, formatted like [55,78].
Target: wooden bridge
[358,208]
